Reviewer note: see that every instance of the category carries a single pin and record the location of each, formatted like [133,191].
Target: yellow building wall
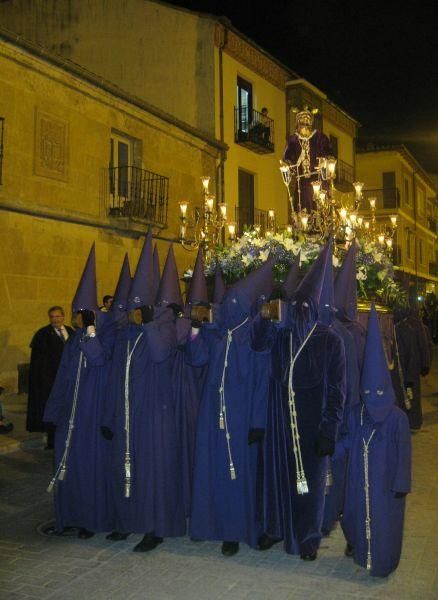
[269,188]
[42,254]
[369,169]
[345,141]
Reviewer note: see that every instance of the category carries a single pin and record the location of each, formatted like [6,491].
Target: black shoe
[52,531]
[116,536]
[149,542]
[84,534]
[348,550]
[230,548]
[309,557]
[265,542]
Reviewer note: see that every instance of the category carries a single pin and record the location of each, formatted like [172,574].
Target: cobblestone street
[34,566]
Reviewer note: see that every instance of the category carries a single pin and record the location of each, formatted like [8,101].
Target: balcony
[433,269]
[2,123]
[386,199]
[432,224]
[344,176]
[137,194]
[254,130]
[247,218]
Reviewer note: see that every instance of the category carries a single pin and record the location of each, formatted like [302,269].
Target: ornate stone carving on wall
[249,56]
[51,146]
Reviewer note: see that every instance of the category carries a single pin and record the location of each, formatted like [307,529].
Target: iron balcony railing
[134,192]
[344,172]
[2,124]
[247,218]
[387,198]
[254,130]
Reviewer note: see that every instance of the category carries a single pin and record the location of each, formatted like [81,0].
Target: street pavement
[66,568]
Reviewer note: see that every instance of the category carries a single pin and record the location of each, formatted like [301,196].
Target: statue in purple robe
[379,466]
[232,418]
[303,149]
[75,407]
[306,400]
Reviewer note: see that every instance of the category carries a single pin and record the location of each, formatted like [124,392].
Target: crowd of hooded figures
[237,428]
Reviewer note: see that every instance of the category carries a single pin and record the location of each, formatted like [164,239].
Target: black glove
[49,427]
[147,313]
[88,318]
[324,446]
[107,433]
[400,494]
[255,435]
[177,309]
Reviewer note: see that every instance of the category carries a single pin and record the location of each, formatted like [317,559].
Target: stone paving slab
[66,568]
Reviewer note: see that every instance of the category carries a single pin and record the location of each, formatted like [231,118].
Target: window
[389,190]
[334,145]
[121,150]
[408,242]
[420,250]
[245,214]
[244,104]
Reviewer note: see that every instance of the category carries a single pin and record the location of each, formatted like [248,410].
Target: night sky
[376,60]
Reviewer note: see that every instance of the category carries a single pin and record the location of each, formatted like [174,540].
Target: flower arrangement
[375,271]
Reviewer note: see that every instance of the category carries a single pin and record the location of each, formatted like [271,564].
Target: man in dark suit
[47,347]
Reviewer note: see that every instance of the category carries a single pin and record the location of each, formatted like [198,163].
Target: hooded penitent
[75,407]
[169,291]
[291,281]
[219,285]
[157,276]
[124,282]
[141,292]
[346,286]
[306,399]
[233,407]
[86,293]
[379,473]
[198,285]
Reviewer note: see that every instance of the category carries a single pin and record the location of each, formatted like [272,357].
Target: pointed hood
[291,281]
[327,298]
[310,287]
[375,385]
[120,300]
[86,293]
[141,290]
[346,286]
[169,291]
[198,284]
[156,269]
[256,286]
[219,285]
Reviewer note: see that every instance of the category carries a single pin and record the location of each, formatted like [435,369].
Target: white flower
[263,254]
[361,273]
[290,246]
[188,273]
[247,259]
[335,261]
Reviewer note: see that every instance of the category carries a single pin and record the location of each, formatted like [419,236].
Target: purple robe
[319,146]
[82,498]
[188,382]
[334,500]
[224,508]
[155,503]
[319,385]
[389,469]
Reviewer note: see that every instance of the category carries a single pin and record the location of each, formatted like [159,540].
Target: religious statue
[304,150]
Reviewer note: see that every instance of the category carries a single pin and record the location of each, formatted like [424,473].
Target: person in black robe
[47,347]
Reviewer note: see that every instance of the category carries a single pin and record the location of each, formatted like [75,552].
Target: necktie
[60,333]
